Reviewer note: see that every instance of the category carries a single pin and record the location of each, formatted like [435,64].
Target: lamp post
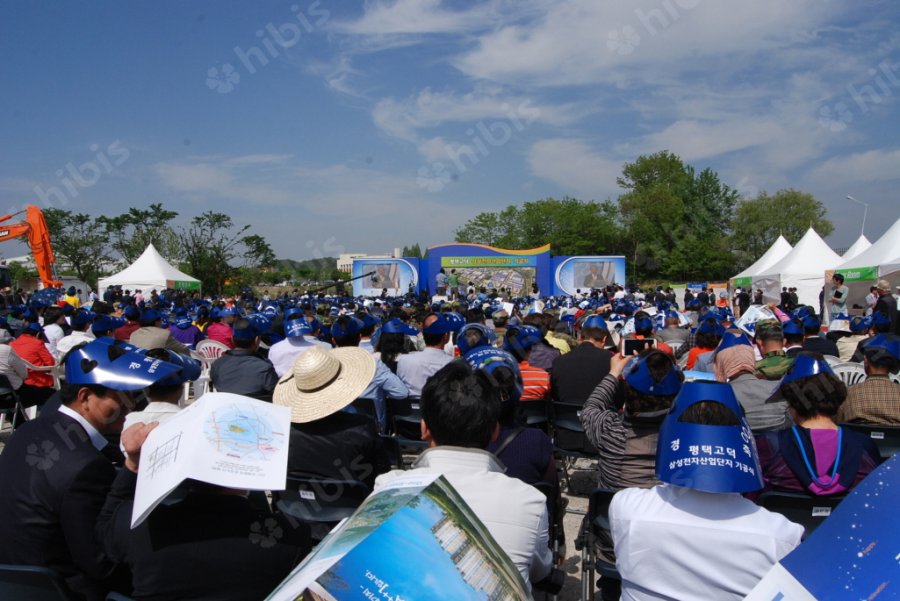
[865,210]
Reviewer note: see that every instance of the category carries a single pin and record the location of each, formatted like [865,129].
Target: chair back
[807,510]
[850,373]
[886,438]
[55,372]
[568,433]
[35,583]
[392,448]
[534,413]
[365,407]
[211,350]
[321,499]
[600,537]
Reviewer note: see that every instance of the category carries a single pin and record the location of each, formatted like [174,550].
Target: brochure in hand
[414,540]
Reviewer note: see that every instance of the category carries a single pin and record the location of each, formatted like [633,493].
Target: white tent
[860,246]
[802,269]
[779,249]
[880,261]
[150,271]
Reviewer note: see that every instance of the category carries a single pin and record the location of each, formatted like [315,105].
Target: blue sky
[356,127]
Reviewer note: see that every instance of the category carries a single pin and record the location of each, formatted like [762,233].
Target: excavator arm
[35,230]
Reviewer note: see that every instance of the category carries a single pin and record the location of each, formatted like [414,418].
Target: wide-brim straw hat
[322,382]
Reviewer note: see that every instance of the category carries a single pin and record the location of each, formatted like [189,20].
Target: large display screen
[586,273]
[396,275]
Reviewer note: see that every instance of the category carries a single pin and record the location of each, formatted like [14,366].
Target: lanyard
[812,472]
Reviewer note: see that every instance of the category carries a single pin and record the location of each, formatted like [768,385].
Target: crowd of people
[693,413]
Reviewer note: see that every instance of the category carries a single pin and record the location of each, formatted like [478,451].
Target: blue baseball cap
[353,326]
[644,323]
[792,328]
[81,318]
[717,459]
[131,312]
[594,321]
[522,340]
[296,327]
[107,323]
[397,326]
[860,324]
[711,326]
[804,366]
[370,321]
[488,359]
[249,332]
[639,377]
[883,343]
[442,325]
[879,319]
[104,363]
[486,337]
[190,369]
[150,315]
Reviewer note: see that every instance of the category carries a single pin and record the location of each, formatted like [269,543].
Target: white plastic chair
[210,350]
[55,372]
[850,373]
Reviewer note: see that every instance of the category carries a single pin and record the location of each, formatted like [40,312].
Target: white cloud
[575,168]
[871,166]
[414,17]
[429,109]
[693,140]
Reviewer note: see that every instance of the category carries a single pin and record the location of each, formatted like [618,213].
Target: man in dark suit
[211,545]
[57,469]
[887,304]
[576,374]
[814,342]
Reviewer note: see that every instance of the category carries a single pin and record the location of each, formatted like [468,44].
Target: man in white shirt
[53,317]
[695,536]
[284,353]
[81,322]
[415,368]
[460,412]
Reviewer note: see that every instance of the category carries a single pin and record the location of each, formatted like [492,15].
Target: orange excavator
[34,228]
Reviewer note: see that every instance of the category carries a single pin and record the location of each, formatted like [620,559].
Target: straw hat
[324,382]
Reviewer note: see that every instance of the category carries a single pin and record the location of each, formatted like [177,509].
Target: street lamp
[865,210]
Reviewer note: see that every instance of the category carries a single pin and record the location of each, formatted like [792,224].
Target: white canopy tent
[150,271]
[860,246]
[779,249]
[880,261]
[802,269]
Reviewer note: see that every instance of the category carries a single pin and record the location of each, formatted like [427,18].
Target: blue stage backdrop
[488,267]
[399,276]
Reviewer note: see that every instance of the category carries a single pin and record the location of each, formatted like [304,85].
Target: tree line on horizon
[670,222]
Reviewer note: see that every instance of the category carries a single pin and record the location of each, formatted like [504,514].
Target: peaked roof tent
[779,249]
[861,245]
[803,268]
[882,257]
[149,271]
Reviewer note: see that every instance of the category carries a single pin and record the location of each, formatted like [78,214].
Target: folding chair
[392,448]
[886,438]
[320,502]
[10,405]
[535,413]
[34,583]
[807,510]
[405,419]
[596,534]
[569,439]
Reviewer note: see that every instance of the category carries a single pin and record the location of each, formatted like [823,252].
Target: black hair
[367,329]
[69,392]
[431,339]
[706,340]
[391,346]
[460,406]
[163,391]
[241,323]
[348,339]
[640,315]
[879,358]
[475,315]
[710,413]
[819,394]
[839,277]
[52,314]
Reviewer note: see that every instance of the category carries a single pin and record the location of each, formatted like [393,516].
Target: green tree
[412,251]
[258,254]
[676,222]
[78,243]
[492,229]
[130,233]
[209,246]
[759,221]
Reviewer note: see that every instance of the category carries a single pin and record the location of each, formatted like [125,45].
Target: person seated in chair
[816,455]
[460,418]
[876,400]
[57,469]
[695,536]
[205,543]
[241,370]
[325,440]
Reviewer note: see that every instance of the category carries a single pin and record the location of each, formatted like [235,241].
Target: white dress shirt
[71,341]
[677,543]
[415,368]
[514,513]
[284,353]
[97,439]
